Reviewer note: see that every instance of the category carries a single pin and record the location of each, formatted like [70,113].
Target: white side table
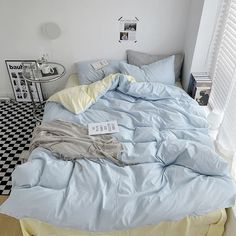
[33,74]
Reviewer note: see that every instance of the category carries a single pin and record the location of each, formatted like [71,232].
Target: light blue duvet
[177,173]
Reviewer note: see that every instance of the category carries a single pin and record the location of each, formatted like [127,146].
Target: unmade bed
[173,182]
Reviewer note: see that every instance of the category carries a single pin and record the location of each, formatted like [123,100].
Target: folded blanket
[70,141]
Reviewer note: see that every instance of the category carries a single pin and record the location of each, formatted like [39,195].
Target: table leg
[33,101]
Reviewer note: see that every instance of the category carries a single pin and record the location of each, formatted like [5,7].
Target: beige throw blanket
[70,141]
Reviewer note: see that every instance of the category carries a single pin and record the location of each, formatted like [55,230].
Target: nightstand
[32,73]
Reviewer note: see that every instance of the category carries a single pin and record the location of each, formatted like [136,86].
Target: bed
[177,186]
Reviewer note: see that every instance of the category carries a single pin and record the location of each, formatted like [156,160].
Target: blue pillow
[161,71]
[87,74]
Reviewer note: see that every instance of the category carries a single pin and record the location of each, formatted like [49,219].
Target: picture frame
[20,86]
[128,29]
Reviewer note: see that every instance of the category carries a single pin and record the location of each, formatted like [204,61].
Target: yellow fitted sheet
[211,224]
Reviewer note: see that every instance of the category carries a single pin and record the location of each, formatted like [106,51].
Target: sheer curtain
[226,140]
[223,72]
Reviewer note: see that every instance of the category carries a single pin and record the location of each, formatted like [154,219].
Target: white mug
[47,69]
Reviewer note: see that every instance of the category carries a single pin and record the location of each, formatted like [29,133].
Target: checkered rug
[16,126]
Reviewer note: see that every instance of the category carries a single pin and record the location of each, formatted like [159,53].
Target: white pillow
[161,71]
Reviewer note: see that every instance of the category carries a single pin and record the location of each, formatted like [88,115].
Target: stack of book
[201,88]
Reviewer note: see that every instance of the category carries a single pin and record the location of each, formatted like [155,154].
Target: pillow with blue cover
[139,59]
[161,71]
[87,74]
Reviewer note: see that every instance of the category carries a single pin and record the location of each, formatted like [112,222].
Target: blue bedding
[174,173]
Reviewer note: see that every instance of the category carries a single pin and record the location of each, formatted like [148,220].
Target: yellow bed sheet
[211,224]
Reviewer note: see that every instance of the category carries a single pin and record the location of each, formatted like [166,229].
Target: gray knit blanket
[70,141]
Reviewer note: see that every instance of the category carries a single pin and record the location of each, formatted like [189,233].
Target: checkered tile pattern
[16,126]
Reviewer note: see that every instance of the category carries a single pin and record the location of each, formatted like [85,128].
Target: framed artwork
[128,30]
[19,85]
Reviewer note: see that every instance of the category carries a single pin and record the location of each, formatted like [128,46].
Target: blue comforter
[177,173]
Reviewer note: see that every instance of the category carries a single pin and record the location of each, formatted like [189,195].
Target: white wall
[89,30]
[203,15]
[194,17]
[202,53]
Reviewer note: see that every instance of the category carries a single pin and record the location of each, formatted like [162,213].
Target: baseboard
[7,95]
[7,99]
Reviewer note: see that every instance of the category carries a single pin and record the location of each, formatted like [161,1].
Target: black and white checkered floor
[16,126]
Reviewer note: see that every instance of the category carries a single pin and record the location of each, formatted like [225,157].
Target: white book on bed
[103,128]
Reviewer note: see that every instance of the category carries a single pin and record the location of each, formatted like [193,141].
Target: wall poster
[127,30]
[19,85]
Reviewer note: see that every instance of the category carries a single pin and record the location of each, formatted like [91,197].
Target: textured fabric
[27,175]
[162,129]
[140,59]
[134,71]
[211,224]
[161,71]
[69,141]
[77,99]
[87,74]
[72,81]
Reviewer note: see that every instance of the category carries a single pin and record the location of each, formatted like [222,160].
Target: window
[223,95]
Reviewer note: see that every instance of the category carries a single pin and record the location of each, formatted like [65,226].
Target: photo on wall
[130,26]
[124,35]
[19,85]
[128,30]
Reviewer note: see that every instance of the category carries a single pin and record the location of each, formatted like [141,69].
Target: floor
[16,126]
